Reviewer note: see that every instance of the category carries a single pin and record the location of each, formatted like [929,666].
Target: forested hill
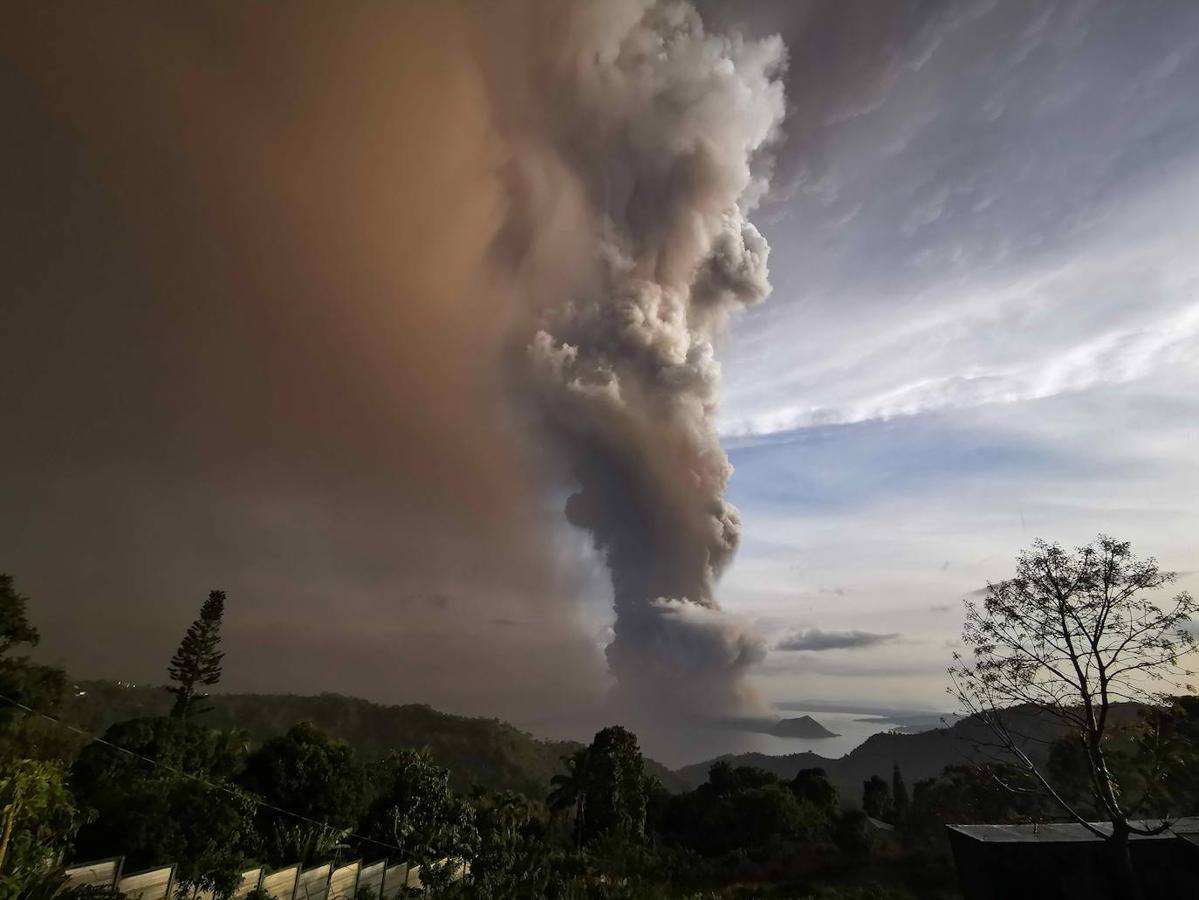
[498,756]
[486,752]
[921,755]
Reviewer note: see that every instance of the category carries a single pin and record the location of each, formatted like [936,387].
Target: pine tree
[197,662]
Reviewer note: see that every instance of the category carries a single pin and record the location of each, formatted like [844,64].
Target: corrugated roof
[1062,832]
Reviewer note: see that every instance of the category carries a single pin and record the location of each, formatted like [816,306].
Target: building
[1065,861]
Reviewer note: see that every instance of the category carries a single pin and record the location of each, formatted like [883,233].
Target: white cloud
[985,329]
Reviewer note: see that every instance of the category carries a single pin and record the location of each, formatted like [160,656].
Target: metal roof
[1063,832]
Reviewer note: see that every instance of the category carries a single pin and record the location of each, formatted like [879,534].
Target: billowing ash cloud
[331,248]
[663,127]
[815,639]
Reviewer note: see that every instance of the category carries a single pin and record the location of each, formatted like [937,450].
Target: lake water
[692,744]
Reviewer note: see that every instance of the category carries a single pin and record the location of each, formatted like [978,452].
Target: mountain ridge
[919,755]
[488,752]
[496,755]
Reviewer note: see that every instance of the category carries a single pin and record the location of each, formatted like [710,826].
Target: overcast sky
[984,326]
[246,348]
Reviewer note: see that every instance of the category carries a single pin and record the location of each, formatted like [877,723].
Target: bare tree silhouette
[1072,634]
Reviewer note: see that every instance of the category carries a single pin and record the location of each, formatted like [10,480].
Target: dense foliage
[24,682]
[183,808]
[415,811]
[37,816]
[593,821]
[309,774]
[480,751]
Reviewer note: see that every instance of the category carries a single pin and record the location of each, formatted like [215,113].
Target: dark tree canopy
[616,784]
[876,798]
[185,809]
[568,791]
[15,628]
[416,811]
[197,662]
[308,773]
[606,785]
[37,815]
[813,787]
[23,681]
[970,794]
[1180,739]
[900,801]
[750,811]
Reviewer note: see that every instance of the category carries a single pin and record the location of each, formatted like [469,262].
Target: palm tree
[511,811]
[570,790]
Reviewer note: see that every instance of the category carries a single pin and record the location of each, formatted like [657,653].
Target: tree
[1181,741]
[285,840]
[197,662]
[851,834]
[416,811]
[25,682]
[15,628]
[512,859]
[568,791]
[876,798]
[745,811]
[37,817]
[308,773]
[616,784]
[1073,635]
[183,807]
[969,794]
[899,795]
[813,787]
[607,785]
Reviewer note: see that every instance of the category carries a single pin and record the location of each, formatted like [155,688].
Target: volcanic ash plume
[665,128]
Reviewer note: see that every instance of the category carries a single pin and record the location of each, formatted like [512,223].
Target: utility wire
[258,801]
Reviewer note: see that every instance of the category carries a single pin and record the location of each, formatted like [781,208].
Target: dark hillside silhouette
[922,755]
[488,752]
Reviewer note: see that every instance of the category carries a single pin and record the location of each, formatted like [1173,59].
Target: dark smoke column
[664,126]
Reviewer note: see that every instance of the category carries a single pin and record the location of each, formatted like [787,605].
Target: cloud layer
[984,324]
[814,639]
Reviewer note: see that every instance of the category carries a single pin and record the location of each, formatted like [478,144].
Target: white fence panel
[322,882]
[249,881]
[153,884]
[282,884]
[344,881]
[371,877]
[104,871]
[394,881]
[413,879]
[313,884]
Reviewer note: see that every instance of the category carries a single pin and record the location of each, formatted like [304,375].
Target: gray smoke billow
[665,129]
[372,220]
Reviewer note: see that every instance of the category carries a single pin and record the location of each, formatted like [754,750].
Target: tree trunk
[10,818]
[1128,885]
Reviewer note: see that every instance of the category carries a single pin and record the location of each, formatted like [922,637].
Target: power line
[258,801]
